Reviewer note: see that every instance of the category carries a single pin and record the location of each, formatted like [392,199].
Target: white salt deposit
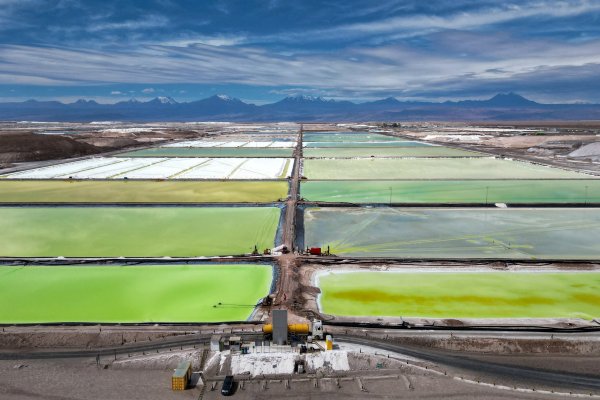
[260,168]
[263,364]
[334,360]
[458,137]
[126,130]
[283,145]
[214,358]
[222,359]
[216,168]
[253,144]
[195,143]
[159,361]
[476,129]
[257,144]
[282,363]
[589,150]
[164,168]
[65,169]
[233,144]
[116,170]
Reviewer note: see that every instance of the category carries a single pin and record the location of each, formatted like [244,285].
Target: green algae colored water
[432,168]
[131,294]
[135,231]
[210,152]
[471,191]
[91,191]
[462,295]
[423,151]
[488,233]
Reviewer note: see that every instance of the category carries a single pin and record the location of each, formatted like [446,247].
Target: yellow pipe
[299,328]
[293,328]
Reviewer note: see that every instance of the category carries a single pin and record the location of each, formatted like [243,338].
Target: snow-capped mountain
[163,100]
[303,104]
[508,106]
[224,97]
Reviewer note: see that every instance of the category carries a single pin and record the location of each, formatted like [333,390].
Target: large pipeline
[301,329]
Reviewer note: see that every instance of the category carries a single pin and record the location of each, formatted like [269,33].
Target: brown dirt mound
[21,147]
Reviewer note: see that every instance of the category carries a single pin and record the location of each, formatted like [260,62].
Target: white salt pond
[163,168]
[209,143]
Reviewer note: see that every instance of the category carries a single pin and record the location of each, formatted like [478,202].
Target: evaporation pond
[543,233]
[387,151]
[135,231]
[432,168]
[451,191]
[347,137]
[125,191]
[402,144]
[462,295]
[131,294]
[210,152]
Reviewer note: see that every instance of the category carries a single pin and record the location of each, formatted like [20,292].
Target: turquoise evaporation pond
[401,143]
[547,233]
[347,137]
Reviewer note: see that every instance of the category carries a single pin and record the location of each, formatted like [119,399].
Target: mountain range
[501,107]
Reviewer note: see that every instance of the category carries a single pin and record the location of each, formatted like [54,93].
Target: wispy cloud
[361,48]
[418,24]
[217,40]
[149,21]
[8,9]
[399,69]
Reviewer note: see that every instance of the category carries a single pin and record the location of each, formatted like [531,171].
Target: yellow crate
[178,383]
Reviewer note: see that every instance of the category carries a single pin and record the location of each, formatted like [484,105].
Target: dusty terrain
[373,373]
[23,143]
[20,147]
[145,372]
[31,144]
[550,144]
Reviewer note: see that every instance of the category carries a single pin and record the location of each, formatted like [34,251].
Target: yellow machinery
[329,343]
[301,329]
[312,328]
[182,375]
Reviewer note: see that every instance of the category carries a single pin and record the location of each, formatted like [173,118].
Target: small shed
[182,375]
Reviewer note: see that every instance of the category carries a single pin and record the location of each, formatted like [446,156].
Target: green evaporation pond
[548,233]
[462,295]
[448,192]
[131,294]
[135,231]
[347,137]
[130,191]
[424,151]
[432,168]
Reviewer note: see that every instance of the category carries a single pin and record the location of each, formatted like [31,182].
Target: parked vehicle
[228,386]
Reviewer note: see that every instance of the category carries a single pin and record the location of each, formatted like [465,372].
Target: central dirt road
[286,283]
[290,212]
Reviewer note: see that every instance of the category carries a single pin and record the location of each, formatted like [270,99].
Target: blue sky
[263,50]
